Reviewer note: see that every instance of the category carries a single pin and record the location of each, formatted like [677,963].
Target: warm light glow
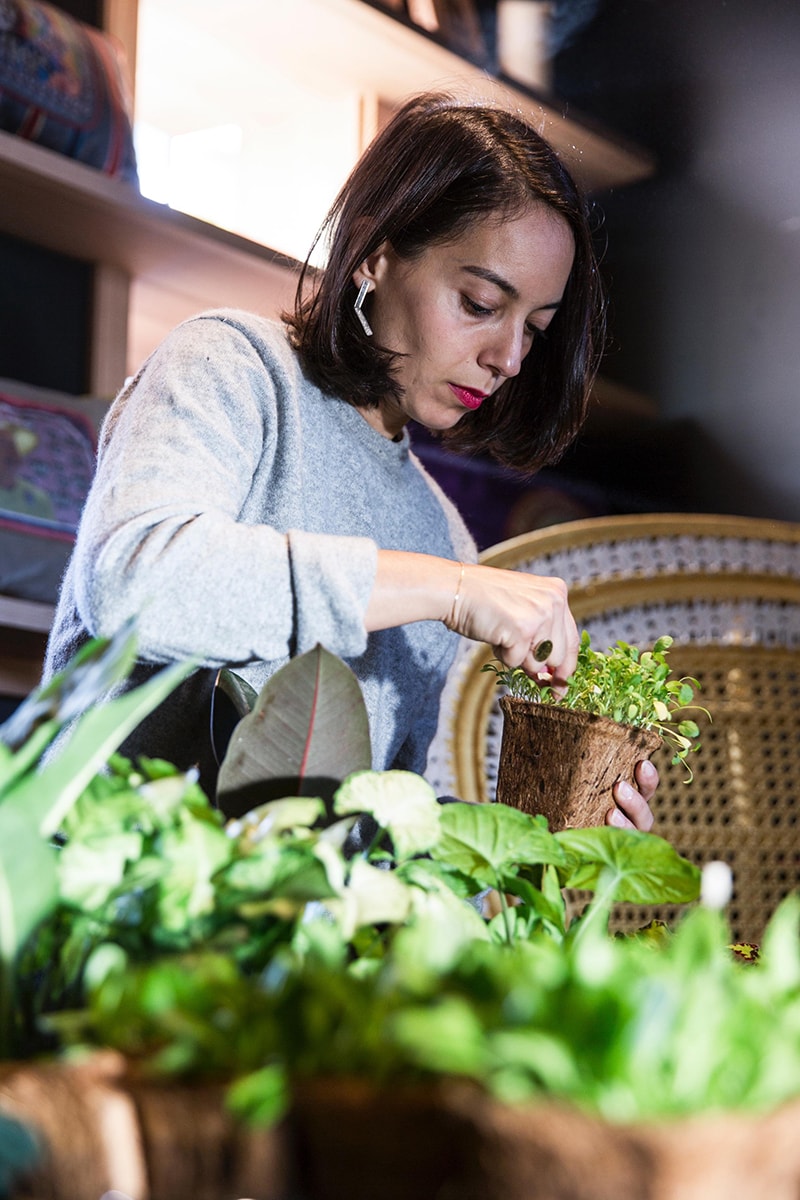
[224,133]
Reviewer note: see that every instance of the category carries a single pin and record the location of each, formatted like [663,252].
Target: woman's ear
[372,270]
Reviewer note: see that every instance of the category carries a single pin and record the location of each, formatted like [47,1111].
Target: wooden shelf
[76,210]
[24,626]
[156,266]
[361,46]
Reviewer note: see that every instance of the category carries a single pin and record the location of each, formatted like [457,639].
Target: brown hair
[435,168]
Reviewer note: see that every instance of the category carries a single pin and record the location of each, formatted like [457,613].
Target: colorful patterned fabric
[48,442]
[63,85]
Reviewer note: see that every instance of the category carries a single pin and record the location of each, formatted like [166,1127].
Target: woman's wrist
[414,587]
[451,619]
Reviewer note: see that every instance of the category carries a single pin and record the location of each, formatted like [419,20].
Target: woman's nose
[504,353]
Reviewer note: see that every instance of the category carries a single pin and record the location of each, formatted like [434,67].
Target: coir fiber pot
[353,1140]
[563,763]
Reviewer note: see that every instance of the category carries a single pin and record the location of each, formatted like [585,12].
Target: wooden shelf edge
[29,615]
[73,209]
[397,57]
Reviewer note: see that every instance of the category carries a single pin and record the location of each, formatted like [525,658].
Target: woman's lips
[469,398]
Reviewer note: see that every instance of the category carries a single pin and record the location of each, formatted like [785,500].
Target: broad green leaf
[194,852]
[279,816]
[91,868]
[309,725]
[372,896]
[484,840]
[551,910]
[295,872]
[45,796]
[780,945]
[28,888]
[14,766]
[443,1037]
[400,801]
[643,868]
[94,669]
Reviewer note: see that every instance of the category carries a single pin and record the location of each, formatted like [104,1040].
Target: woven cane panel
[728,590]
[471,720]
[743,804]
[662,555]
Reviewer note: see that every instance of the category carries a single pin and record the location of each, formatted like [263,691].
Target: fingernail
[624,790]
[618,819]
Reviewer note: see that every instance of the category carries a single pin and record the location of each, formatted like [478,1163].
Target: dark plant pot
[563,763]
[353,1140]
[102,1130]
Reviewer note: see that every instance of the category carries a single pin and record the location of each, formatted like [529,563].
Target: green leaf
[47,795]
[444,1037]
[309,724]
[372,896]
[644,869]
[28,887]
[193,852]
[400,801]
[483,840]
[89,675]
[260,1098]
[90,869]
[242,696]
[279,816]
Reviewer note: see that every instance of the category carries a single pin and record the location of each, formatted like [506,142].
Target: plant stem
[504,910]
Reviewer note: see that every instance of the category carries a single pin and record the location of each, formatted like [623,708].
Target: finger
[617,818]
[646,779]
[632,807]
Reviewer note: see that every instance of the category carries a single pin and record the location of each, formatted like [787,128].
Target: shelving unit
[24,626]
[154,265]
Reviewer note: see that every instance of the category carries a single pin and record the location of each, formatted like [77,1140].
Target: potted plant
[561,755]
[262,968]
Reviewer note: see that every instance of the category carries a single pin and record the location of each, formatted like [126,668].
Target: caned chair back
[727,589]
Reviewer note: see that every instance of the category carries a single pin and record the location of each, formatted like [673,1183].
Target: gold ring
[543,651]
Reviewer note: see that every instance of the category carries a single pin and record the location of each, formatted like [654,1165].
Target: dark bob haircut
[439,165]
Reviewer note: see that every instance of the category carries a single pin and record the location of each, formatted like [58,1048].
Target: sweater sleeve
[162,538]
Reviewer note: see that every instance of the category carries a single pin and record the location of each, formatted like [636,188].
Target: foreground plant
[628,685]
[277,946]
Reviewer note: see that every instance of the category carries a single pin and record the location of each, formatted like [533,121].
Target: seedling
[629,685]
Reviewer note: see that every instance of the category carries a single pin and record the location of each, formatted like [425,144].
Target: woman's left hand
[632,809]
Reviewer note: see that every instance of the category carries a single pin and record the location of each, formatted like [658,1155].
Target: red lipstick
[468,396]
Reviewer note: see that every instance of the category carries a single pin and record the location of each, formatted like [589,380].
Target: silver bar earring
[362,292]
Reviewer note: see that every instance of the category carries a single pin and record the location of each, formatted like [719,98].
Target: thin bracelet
[451,620]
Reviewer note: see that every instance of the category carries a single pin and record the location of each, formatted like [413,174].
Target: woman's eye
[477,310]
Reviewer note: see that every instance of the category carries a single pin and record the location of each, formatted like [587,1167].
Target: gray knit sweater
[236,513]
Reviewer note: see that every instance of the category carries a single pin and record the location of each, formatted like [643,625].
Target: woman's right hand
[515,613]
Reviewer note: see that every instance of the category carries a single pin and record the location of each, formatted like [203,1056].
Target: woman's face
[464,314]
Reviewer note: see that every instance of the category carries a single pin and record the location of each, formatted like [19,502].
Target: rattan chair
[728,590]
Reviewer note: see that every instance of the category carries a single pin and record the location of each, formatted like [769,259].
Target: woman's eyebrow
[504,284]
[493,277]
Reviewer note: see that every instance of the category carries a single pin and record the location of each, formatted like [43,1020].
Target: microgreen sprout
[627,684]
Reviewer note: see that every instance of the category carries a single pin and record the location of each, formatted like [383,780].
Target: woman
[255,491]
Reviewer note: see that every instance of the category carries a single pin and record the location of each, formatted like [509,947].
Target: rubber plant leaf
[307,732]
